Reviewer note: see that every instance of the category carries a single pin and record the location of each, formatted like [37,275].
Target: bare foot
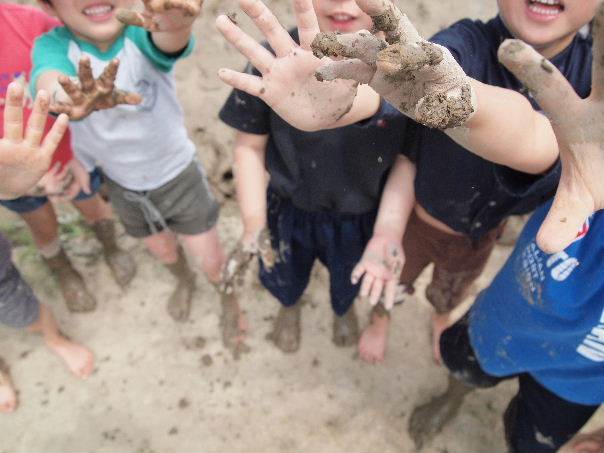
[8,396]
[372,345]
[77,358]
[286,330]
[234,326]
[346,329]
[429,419]
[440,322]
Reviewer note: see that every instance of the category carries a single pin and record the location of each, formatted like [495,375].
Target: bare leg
[76,357]
[372,345]
[98,215]
[166,248]
[45,231]
[8,396]
[286,329]
[207,254]
[429,419]
[440,322]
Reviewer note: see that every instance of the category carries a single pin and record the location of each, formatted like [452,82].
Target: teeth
[546,2]
[544,11]
[341,17]
[97,10]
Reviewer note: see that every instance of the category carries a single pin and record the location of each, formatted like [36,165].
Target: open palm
[577,124]
[288,83]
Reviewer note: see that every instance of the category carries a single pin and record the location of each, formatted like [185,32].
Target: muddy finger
[362,45]
[107,77]
[389,19]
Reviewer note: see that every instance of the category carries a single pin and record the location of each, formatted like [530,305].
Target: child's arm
[384,257]
[251,182]
[421,79]
[170,22]
[23,160]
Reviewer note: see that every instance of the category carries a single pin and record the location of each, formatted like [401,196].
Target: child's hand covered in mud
[162,15]
[579,130]
[251,245]
[420,78]
[24,158]
[88,94]
[379,269]
[288,83]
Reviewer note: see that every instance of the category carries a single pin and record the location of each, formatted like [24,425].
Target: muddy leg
[8,396]
[234,326]
[429,419]
[179,304]
[346,328]
[120,263]
[372,345]
[286,330]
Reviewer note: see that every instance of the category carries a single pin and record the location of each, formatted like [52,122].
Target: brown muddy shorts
[184,205]
[458,261]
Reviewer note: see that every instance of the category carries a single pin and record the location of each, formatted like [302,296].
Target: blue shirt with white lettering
[544,314]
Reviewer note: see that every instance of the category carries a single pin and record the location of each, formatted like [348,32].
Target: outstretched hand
[89,94]
[380,269]
[288,83]
[23,159]
[420,78]
[162,15]
[239,259]
[579,132]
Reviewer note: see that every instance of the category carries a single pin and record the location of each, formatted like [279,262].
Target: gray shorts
[184,205]
[19,307]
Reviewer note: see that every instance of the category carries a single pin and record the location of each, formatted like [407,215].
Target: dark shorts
[536,420]
[24,205]
[19,307]
[184,205]
[299,237]
[458,261]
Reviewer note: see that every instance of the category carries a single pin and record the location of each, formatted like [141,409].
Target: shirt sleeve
[160,59]
[464,39]
[50,53]
[245,112]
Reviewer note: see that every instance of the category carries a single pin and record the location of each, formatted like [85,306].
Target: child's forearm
[507,130]
[171,42]
[397,200]
[251,180]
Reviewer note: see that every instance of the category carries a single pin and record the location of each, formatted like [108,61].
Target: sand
[159,386]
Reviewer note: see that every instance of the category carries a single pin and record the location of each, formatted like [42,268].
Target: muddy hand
[162,15]
[26,155]
[579,131]
[287,83]
[89,94]
[379,269]
[420,78]
[239,260]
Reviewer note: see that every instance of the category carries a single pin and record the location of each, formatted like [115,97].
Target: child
[455,225]
[19,307]
[19,26]
[155,183]
[312,211]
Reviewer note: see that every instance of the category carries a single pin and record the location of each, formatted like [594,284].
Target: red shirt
[19,27]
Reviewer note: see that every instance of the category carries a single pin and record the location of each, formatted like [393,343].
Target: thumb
[572,205]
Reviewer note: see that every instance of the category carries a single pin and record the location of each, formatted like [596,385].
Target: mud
[286,331]
[207,360]
[362,45]
[327,45]
[441,111]
[232,324]
[429,419]
[346,329]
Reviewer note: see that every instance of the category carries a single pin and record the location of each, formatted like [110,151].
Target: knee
[163,249]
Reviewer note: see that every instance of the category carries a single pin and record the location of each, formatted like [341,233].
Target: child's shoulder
[58,35]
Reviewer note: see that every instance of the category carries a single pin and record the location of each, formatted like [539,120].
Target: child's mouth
[341,21]
[544,10]
[99,12]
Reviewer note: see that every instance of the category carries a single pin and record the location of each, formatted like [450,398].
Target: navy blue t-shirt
[470,194]
[340,170]
[544,314]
